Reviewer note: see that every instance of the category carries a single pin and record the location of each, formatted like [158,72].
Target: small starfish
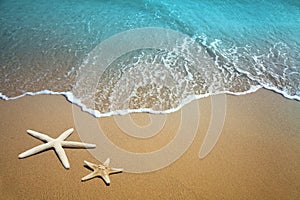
[57,144]
[101,170]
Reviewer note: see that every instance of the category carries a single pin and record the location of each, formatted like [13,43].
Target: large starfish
[57,144]
[101,170]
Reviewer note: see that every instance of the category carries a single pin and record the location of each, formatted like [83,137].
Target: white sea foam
[71,98]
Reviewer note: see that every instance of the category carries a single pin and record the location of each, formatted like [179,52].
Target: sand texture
[257,155]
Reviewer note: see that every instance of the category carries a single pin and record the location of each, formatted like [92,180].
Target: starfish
[101,170]
[57,144]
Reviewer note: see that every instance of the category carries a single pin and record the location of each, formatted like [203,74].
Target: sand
[257,155]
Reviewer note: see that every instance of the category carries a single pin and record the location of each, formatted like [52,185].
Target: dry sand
[257,155]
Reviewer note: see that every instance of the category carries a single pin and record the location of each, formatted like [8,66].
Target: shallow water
[244,45]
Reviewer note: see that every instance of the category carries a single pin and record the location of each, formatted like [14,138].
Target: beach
[192,99]
[256,157]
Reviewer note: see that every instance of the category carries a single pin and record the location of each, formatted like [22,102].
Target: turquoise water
[252,44]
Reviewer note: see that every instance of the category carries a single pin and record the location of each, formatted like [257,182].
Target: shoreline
[256,157]
[95,113]
[73,100]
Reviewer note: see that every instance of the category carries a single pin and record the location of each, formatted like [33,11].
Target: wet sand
[257,155]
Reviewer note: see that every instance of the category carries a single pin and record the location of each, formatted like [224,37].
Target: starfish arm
[115,170]
[35,150]
[89,176]
[62,155]
[90,165]
[72,144]
[65,134]
[106,179]
[40,136]
[107,162]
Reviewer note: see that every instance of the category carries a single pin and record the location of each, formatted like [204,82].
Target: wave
[237,51]
[157,81]
[71,98]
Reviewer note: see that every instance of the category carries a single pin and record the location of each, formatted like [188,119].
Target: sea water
[45,46]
